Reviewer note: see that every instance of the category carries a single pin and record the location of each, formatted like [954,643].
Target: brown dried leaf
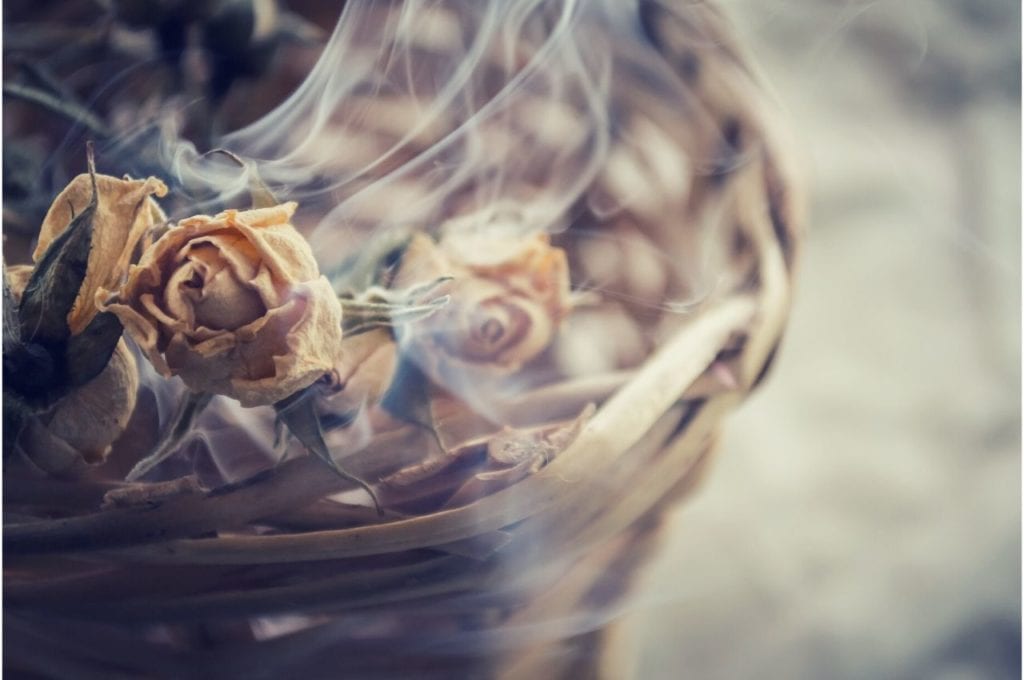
[515,454]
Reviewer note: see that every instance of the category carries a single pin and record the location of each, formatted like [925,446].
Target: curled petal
[124,212]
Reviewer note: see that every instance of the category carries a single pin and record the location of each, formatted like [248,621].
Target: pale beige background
[863,518]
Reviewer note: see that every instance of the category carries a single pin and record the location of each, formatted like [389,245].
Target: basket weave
[521,582]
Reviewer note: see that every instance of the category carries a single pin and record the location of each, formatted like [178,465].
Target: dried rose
[508,297]
[84,423]
[124,213]
[234,305]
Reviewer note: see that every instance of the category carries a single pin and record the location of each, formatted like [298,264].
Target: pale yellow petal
[124,213]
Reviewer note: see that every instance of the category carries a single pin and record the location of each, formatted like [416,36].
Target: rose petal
[312,346]
[142,330]
[226,304]
[124,213]
[226,249]
[270,233]
[180,292]
[271,295]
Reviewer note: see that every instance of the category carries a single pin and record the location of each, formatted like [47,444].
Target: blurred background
[863,517]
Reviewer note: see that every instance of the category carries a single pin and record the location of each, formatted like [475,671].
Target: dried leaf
[515,454]
[89,352]
[299,413]
[30,369]
[408,398]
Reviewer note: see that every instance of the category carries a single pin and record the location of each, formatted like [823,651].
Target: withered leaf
[299,412]
[514,454]
[89,352]
[30,369]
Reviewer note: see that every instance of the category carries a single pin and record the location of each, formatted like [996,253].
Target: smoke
[422,110]
[414,109]
[529,115]
[560,116]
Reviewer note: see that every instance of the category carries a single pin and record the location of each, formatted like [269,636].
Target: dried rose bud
[234,305]
[125,212]
[83,424]
[508,297]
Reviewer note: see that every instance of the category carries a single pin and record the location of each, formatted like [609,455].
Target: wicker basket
[522,581]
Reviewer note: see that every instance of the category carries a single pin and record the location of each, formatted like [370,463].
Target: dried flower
[234,305]
[508,296]
[124,213]
[84,423]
